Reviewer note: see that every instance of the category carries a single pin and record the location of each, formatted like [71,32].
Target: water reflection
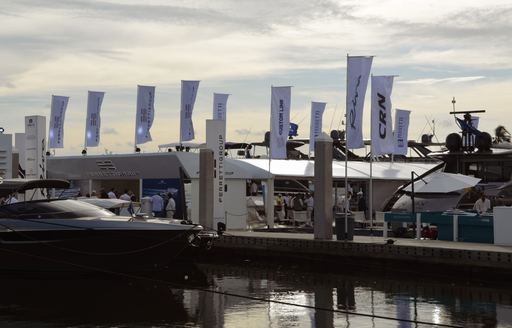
[249,295]
[69,299]
[420,303]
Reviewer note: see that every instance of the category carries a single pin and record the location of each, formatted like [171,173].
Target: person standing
[158,205]
[361,203]
[126,195]
[254,188]
[111,194]
[103,194]
[309,208]
[279,208]
[347,201]
[171,207]
[343,203]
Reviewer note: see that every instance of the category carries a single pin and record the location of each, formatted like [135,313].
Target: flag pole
[370,194]
[310,122]
[136,118]
[346,202]
[84,152]
[370,197]
[267,206]
[181,113]
[135,135]
[270,131]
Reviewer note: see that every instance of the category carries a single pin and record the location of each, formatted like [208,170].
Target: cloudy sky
[439,49]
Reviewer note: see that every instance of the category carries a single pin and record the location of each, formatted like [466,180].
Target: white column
[206,188]
[269,202]
[323,188]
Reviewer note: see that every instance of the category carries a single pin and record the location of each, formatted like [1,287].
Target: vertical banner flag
[474,123]
[401,131]
[381,122]
[315,128]
[219,106]
[58,113]
[188,98]
[358,71]
[93,123]
[279,121]
[145,113]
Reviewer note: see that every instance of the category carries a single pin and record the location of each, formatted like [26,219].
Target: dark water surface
[249,294]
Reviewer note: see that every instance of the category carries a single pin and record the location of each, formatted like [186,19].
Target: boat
[471,153]
[66,234]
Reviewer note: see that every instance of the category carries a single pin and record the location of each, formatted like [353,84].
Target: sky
[438,49]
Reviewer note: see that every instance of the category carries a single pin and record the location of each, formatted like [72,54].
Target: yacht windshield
[54,209]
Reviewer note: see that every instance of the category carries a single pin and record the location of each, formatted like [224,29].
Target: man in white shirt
[482,205]
[111,194]
[170,208]
[11,200]
[343,203]
[125,196]
[309,208]
[158,205]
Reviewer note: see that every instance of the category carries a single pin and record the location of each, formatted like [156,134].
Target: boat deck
[380,240]
[403,253]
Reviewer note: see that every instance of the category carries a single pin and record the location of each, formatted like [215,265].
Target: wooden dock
[404,254]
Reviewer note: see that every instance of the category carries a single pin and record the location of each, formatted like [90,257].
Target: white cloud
[442,80]
[109,131]
[440,49]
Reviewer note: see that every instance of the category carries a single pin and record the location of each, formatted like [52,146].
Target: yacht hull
[124,250]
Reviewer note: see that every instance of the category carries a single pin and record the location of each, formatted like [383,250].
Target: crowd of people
[163,204]
[112,193]
[11,199]
[287,205]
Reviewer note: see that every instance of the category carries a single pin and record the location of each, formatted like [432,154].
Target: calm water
[181,298]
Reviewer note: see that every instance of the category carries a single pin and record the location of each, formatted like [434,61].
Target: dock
[411,255]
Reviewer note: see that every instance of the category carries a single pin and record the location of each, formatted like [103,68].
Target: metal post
[412,193]
[455,228]
[418,225]
[370,194]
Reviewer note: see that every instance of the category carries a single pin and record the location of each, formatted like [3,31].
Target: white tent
[356,170]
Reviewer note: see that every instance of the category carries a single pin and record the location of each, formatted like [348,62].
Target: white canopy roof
[233,168]
[442,182]
[356,170]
